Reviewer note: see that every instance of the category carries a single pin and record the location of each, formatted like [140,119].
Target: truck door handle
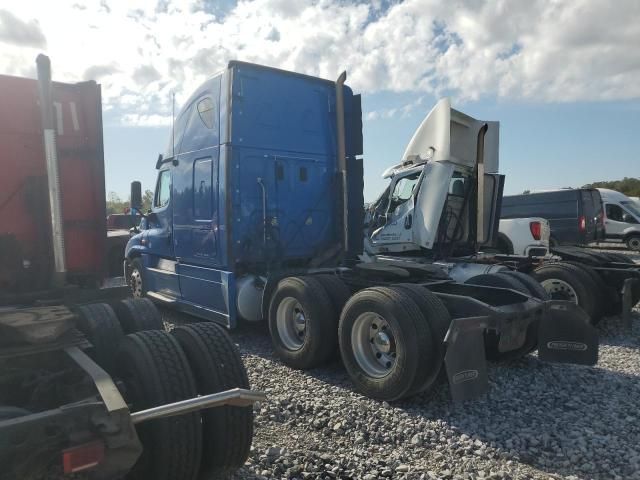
[408,221]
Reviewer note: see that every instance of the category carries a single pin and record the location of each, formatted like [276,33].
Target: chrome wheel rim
[291,322]
[374,345]
[136,283]
[559,290]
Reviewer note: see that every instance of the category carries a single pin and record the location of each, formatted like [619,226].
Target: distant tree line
[115,204]
[628,185]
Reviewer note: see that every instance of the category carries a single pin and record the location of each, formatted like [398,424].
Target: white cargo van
[622,218]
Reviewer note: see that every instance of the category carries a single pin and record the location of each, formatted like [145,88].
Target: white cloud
[140,51]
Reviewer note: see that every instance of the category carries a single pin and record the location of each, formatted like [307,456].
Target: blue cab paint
[248,186]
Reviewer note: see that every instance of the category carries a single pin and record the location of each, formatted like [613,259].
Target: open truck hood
[448,135]
[445,141]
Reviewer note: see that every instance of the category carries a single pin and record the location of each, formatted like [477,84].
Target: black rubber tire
[585,288]
[337,290]
[633,243]
[136,268]
[217,366]
[99,323]
[491,338]
[412,341]
[607,299]
[321,339]
[155,371]
[534,287]
[438,321]
[137,315]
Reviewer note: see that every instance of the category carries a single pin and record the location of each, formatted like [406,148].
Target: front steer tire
[315,341]
[154,371]
[135,278]
[217,366]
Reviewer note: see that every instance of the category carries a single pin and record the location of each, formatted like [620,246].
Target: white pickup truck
[528,237]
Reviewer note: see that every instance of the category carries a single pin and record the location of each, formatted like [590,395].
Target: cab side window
[614,212]
[202,129]
[202,174]
[163,189]
[404,189]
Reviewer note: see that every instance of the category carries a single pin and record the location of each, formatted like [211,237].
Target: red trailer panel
[26,255]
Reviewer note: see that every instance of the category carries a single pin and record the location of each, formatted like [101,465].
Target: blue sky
[541,145]
[563,78]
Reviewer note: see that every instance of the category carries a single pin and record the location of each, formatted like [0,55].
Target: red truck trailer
[87,385]
[26,251]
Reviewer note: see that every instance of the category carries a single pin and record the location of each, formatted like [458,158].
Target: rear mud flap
[566,335]
[465,358]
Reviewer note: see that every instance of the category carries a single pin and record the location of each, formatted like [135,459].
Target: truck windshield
[631,207]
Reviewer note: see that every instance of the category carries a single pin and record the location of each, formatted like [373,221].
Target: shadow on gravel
[559,419]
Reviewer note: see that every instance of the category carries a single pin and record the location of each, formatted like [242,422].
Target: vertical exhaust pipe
[342,157]
[480,182]
[51,157]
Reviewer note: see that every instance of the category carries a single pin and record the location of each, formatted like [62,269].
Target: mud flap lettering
[465,358]
[566,335]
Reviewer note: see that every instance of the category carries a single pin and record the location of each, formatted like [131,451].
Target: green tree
[628,185]
[116,205]
[147,201]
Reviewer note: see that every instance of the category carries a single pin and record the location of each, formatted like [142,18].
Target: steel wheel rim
[374,345]
[291,322]
[560,290]
[634,244]
[136,283]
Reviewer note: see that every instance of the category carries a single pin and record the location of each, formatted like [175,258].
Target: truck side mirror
[627,218]
[136,195]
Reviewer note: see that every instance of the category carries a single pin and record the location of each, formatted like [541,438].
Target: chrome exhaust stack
[342,157]
[53,176]
[480,236]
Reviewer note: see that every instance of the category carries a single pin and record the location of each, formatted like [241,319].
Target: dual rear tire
[390,338]
[154,367]
[576,283]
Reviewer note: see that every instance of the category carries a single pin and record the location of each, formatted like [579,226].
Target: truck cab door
[159,257]
[393,227]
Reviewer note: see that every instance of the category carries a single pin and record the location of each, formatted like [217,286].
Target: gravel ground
[539,421]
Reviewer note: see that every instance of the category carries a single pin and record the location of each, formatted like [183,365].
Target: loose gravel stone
[538,421]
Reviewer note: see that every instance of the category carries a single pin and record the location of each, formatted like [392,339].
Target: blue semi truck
[258,214]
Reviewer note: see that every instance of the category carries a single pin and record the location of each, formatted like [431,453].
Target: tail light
[536,230]
[82,457]
[582,225]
